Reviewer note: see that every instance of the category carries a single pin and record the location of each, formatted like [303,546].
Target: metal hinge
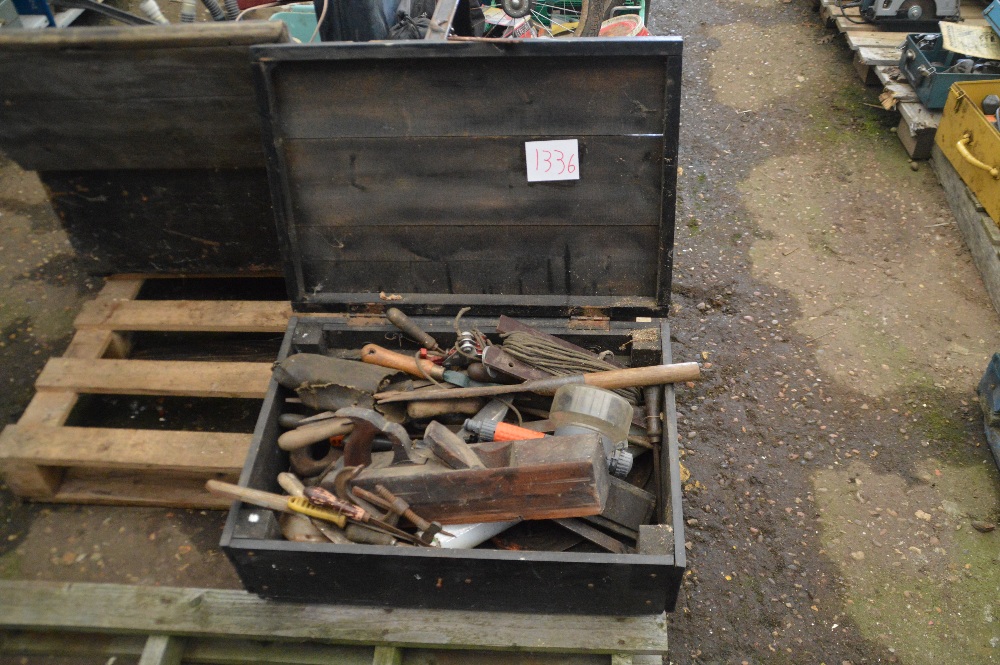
[590,318]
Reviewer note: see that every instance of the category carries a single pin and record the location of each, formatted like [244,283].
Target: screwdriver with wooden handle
[411,329]
[615,378]
[277,502]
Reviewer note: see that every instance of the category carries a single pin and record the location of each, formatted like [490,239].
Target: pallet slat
[156,377]
[166,450]
[878,55]
[186,315]
[874,39]
[42,460]
[129,488]
[216,612]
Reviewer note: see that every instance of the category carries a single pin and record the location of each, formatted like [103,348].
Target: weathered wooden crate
[398,172]
[147,140]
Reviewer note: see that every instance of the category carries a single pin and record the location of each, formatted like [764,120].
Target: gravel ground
[839,476]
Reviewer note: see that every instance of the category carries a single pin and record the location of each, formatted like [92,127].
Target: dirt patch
[752,68]
[921,578]
[893,305]
[125,545]
[793,195]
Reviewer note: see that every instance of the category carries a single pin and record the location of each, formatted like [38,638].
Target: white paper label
[552,160]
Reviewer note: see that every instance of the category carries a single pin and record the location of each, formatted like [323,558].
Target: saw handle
[374,354]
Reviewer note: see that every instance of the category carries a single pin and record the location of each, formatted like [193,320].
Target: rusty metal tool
[367,424]
[427,529]
[398,507]
[616,378]
[412,330]
[357,514]
[450,448]
[653,397]
[325,383]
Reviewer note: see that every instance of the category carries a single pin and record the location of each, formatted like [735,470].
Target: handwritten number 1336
[547,160]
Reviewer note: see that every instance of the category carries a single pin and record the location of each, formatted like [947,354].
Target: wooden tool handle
[291,484]
[652,375]
[376,355]
[425,410]
[248,495]
[615,378]
[306,435]
[410,329]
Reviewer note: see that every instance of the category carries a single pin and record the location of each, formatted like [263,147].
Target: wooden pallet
[876,56]
[165,626]
[848,20]
[873,47]
[41,458]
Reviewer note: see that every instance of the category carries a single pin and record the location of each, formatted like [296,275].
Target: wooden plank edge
[916,145]
[188,378]
[148,37]
[112,448]
[121,287]
[238,614]
[31,481]
[140,490]
[230,316]
[865,72]
[196,650]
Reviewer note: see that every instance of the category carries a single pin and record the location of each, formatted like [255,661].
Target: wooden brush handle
[615,378]
[247,495]
[652,375]
[376,355]
[306,435]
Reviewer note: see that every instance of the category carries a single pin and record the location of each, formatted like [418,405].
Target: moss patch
[919,578]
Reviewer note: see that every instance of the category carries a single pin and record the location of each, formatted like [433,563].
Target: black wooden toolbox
[399,176]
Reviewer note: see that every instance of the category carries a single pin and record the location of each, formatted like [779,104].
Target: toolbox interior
[482,578]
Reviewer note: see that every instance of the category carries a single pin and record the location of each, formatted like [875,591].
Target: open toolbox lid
[399,174]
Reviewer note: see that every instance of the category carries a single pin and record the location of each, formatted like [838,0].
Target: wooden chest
[399,176]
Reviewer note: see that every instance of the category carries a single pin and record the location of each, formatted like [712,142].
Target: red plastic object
[508,432]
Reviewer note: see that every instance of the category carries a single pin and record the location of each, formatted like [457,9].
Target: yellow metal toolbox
[971,143]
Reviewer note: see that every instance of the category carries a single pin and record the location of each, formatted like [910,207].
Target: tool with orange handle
[373,354]
[488,430]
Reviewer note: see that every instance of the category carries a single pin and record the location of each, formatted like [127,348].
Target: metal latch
[590,318]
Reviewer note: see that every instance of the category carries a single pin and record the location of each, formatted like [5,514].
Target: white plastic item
[468,536]
[152,10]
[188,11]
